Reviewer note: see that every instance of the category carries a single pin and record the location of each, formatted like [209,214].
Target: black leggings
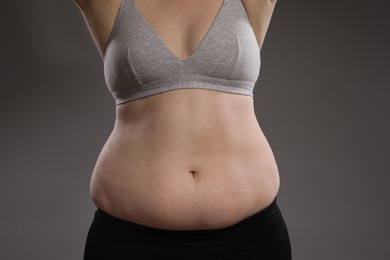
[262,236]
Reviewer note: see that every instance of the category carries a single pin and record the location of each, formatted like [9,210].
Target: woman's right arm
[99,16]
[82,4]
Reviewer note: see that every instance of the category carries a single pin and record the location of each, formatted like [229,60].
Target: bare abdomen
[189,168]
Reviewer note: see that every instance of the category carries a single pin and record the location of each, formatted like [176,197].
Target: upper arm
[99,16]
[82,4]
[259,13]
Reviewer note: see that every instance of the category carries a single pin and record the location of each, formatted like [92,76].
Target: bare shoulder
[259,13]
[99,16]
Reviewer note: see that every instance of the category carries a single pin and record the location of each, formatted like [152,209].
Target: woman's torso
[185,159]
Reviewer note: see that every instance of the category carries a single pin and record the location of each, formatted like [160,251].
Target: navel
[193,173]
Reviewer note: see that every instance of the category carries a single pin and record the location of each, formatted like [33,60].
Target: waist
[193,119]
[188,128]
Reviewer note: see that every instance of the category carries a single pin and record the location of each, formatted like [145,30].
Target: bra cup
[247,66]
[248,62]
[151,63]
[118,71]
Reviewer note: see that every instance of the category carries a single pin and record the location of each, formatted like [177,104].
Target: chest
[154,50]
[181,25]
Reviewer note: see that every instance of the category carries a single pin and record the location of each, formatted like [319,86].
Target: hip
[262,235]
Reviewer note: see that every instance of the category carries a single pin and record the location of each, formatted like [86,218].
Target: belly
[185,159]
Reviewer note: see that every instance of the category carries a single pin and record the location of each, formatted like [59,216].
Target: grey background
[322,100]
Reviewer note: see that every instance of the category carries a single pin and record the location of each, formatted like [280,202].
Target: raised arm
[82,4]
[259,13]
[99,16]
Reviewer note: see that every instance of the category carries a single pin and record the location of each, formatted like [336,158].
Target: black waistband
[254,223]
[262,235]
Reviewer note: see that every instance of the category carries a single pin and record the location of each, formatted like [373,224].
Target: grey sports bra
[137,63]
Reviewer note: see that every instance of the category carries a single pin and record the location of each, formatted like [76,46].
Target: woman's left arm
[259,13]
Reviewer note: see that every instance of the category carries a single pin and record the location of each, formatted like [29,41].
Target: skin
[189,158]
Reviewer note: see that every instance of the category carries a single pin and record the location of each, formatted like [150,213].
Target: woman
[187,172]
